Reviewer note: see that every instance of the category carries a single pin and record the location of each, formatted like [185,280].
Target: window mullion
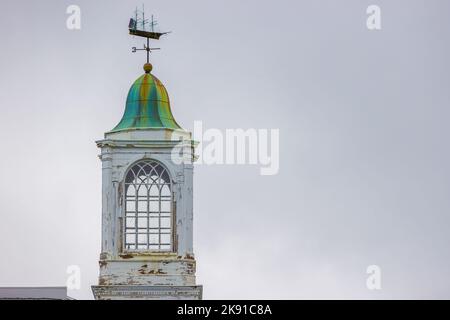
[136,214]
[148,214]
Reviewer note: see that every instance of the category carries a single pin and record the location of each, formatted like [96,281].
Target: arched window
[148,207]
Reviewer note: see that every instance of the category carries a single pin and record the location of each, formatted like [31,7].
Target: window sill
[147,255]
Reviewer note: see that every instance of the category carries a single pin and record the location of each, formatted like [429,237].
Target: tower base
[143,292]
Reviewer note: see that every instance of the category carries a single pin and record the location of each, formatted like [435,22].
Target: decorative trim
[147,292]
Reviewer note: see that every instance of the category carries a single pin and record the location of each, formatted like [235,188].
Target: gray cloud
[364,175]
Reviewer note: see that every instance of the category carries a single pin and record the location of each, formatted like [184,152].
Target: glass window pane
[165,238]
[165,191]
[142,238]
[130,238]
[154,191]
[165,247]
[154,206]
[165,222]
[142,206]
[154,223]
[142,192]
[165,177]
[131,206]
[165,206]
[142,222]
[130,222]
[131,191]
[154,238]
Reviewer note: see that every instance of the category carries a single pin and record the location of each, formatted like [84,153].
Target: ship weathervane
[146,28]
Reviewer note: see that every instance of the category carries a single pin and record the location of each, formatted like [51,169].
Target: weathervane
[138,27]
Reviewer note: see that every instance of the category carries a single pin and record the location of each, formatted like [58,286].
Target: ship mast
[148,34]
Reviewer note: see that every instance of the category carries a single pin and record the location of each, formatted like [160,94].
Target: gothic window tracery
[148,208]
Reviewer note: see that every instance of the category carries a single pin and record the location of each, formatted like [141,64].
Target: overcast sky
[363,117]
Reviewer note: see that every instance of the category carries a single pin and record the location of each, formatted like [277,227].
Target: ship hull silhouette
[132,27]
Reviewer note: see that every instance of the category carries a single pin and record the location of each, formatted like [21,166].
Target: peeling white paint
[138,271]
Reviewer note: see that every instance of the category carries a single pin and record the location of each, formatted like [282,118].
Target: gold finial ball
[148,67]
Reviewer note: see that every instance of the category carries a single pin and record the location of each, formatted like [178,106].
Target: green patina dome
[147,105]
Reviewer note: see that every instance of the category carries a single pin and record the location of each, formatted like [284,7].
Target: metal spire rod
[148,50]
